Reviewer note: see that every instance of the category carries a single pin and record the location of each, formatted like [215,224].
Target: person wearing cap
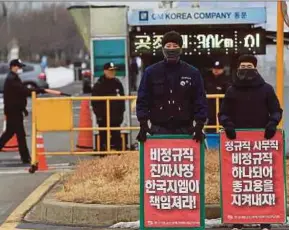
[15,100]
[109,85]
[250,103]
[216,82]
[171,95]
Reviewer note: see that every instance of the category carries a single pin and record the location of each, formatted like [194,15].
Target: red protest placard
[172,183]
[253,182]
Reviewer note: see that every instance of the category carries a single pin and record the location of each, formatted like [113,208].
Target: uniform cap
[218,65]
[17,62]
[172,36]
[109,66]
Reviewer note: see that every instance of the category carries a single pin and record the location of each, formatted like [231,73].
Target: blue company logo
[143,15]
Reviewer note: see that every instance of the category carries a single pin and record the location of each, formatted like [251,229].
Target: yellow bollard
[280,58]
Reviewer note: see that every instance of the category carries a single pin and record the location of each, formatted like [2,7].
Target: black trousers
[115,141]
[14,125]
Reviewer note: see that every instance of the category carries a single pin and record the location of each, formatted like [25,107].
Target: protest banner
[253,178]
[172,184]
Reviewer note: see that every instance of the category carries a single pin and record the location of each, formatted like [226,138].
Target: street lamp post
[280,57]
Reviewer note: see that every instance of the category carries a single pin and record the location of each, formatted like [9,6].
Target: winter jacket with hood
[250,104]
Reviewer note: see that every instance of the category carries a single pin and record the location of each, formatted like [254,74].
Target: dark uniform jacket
[216,85]
[171,93]
[15,95]
[250,104]
[108,87]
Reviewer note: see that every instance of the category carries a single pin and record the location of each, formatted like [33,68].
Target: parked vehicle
[32,75]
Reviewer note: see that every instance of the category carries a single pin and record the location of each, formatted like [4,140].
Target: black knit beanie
[248,58]
[172,36]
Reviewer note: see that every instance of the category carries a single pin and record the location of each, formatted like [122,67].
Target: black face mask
[172,55]
[247,74]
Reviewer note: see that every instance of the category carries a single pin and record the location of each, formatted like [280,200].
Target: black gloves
[198,134]
[25,112]
[270,130]
[65,94]
[230,131]
[39,90]
[144,129]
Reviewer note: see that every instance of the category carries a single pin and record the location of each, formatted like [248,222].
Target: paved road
[15,181]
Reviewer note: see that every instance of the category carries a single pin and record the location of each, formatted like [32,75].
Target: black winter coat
[216,85]
[172,94]
[108,87]
[15,95]
[250,104]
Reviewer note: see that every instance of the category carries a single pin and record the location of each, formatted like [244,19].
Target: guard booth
[104,30]
[208,35]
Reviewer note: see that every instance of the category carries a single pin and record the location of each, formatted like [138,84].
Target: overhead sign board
[196,16]
[203,41]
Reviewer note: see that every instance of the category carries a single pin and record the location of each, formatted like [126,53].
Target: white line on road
[25,171]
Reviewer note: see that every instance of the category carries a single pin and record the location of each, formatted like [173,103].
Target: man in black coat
[250,103]
[109,85]
[216,82]
[15,101]
[171,95]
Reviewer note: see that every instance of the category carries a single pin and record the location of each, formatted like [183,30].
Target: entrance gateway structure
[208,34]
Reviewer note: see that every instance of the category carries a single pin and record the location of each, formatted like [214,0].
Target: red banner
[172,183]
[253,183]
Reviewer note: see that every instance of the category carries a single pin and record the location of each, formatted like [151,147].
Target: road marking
[24,170]
[18,214]
[18,157]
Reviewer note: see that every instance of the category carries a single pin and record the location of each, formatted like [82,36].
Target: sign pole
[280,57]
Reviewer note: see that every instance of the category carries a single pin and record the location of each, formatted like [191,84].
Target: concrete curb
[52,211]
[18,214]
[49,210]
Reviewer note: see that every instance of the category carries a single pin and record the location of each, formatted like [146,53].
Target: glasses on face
[246,67]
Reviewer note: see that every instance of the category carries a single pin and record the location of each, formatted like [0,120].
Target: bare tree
[49,31]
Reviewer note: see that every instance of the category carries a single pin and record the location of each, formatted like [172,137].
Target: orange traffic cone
[41,159]
[85,142]
[12,144]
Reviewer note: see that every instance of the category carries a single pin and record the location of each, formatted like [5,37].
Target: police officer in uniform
[171,95]
[216,82]
[15,101]
[109,85]
[250,103]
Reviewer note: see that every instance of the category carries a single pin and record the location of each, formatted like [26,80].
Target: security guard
[171,95]
[216,82]
[109,85]
[15,101]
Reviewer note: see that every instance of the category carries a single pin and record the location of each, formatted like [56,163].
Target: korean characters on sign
[171,183]
[253,181]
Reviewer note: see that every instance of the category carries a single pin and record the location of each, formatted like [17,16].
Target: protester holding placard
[171,95]
[250,103]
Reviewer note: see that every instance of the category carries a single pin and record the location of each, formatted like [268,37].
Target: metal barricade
[56,114]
